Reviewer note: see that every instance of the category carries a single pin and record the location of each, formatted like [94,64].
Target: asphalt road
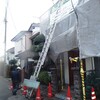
[5,93]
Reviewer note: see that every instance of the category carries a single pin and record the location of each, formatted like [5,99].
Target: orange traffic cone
[50,91]
[25,88]
[69,97]
[38,95]
[93,96]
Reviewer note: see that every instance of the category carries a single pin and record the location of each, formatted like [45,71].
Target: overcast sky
[21,13]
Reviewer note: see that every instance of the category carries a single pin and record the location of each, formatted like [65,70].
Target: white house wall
[89,63]
[10,56]
[23,44]
[20,46]
[17,47]
[28,41]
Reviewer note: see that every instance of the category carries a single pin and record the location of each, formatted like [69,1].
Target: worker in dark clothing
[16,79]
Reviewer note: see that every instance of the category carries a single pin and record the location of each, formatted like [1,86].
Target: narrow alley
[4,89]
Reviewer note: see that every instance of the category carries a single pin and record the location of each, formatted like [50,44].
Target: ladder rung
[45,47]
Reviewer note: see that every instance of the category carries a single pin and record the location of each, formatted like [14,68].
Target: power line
[12,18]
[75,12]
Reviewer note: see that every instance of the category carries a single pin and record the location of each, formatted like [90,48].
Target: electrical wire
[75,13]
[12,19]
[77,23]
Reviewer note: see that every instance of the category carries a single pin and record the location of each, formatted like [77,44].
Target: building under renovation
[77,34]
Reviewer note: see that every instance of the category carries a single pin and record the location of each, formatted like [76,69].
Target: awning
[26,54]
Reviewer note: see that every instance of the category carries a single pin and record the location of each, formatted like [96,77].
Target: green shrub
[13,61]
[44,78]
[39,39]
[36,56]
[37,48]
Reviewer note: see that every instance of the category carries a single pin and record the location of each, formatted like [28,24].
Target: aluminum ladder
[45,47]
[32,82]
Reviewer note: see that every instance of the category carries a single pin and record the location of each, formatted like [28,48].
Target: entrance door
[73,53]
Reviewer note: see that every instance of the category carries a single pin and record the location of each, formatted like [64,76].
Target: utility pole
[5,21]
